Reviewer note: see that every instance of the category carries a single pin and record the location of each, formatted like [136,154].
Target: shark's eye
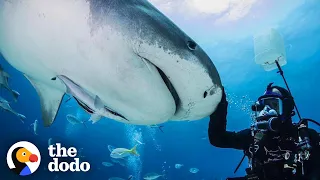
[191,45]
[24,154]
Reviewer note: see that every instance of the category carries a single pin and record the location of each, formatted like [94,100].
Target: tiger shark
[126,52]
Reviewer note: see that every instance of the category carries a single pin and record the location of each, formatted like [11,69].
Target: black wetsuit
[270,150]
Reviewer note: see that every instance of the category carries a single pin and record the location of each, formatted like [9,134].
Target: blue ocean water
[231,49]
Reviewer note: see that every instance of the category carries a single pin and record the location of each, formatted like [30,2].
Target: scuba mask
[268,107]
[272,109]
[274,99]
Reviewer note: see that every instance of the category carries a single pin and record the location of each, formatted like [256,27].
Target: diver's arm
[315,143]
[218,135]
[315,154]
[314,137]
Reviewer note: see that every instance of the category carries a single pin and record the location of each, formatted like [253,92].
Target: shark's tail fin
[15,95]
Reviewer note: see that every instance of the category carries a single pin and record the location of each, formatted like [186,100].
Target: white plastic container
[269,47]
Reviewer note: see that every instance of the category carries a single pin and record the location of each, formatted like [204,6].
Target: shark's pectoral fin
[50,100]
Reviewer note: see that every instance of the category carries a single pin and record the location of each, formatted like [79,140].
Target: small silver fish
[74,120]
[121,162]
[152,176]
[119,153]
[115,178]
[35,126]
[107,164]
[193,170]
[178,166]
[141,143]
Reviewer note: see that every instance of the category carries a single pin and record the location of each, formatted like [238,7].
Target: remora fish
[151,176]
[74,120]
[4,83]
[129,54]
[4,104]
[90,103]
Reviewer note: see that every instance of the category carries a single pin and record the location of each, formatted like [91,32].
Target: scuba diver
[277,148]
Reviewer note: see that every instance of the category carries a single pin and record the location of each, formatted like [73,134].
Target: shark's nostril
[205,94]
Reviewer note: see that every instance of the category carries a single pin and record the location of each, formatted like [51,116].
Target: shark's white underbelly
[42,40]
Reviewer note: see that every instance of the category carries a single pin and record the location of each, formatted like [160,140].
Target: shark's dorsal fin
[50,100]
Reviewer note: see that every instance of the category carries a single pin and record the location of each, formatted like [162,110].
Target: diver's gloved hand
[218,122]
[221,111]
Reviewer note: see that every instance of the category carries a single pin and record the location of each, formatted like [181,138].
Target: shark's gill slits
[84,106]
[115,113]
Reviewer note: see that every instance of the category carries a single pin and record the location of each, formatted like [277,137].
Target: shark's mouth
[167,83]
[170,87]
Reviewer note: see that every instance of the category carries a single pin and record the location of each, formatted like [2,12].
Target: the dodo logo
[23,158]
